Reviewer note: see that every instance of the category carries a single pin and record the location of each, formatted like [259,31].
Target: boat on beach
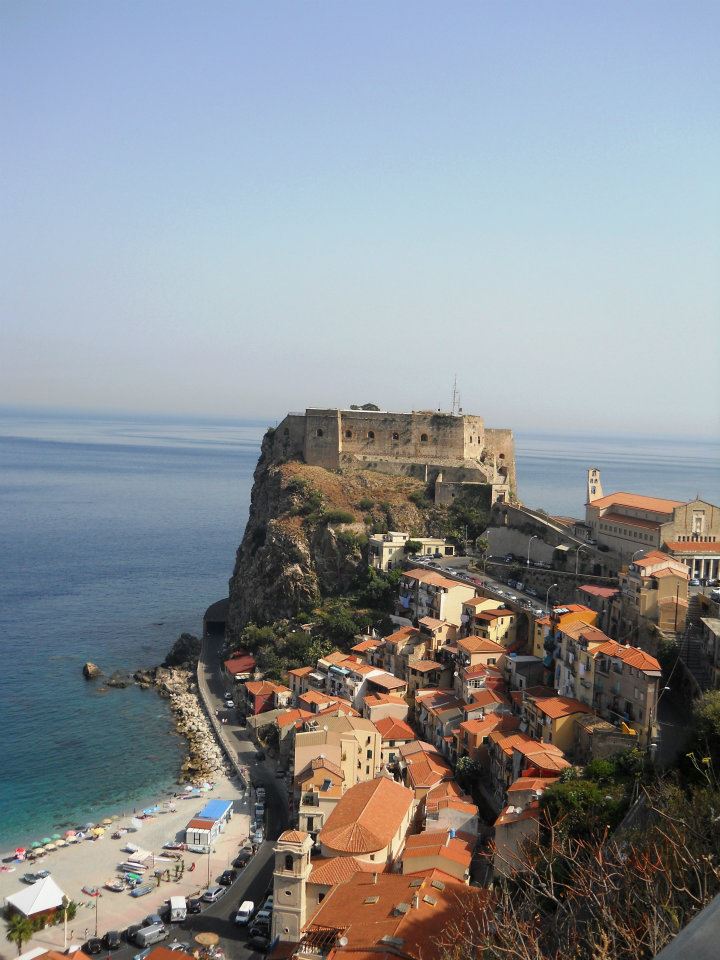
[116,885]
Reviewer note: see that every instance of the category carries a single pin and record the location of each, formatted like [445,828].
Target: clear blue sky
[239,208]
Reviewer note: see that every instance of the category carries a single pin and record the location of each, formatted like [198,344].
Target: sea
[116,533]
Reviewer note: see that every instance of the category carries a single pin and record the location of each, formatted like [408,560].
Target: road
[255,881]
[459,567]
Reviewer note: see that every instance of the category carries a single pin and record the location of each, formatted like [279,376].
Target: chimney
[374,878]
[416,901]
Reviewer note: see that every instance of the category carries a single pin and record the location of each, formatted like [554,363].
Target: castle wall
[500,444]
[289,437]
[323,438]
[422,436]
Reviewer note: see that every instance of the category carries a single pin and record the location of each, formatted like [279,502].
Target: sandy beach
[91,863]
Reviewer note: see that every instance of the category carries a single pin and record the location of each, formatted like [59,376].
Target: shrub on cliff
[337,516]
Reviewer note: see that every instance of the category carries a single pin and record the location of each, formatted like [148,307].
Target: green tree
[413,547]
[583,808]
[466,771]
[19,930]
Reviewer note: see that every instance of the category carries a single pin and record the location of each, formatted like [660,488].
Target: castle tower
[292,869]
[594,486]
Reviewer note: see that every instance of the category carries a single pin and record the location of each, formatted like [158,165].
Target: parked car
[29,877]
[244,912]
[151,919]
[258,944]
[194,905]
[129,934]
[213,894]
[112,939]
[531,592]
[93,947]
[242,859]
[694,582]
[227,877]
[176,945]
[143,953]
[258,836]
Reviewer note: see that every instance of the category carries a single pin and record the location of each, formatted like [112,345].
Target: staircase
[691,651]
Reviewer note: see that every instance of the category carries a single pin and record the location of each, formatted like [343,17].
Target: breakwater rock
[91,671]
[177,684]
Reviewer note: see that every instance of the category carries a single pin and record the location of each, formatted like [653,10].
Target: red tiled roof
[375,699]
[390,728]
[622,520]
[512,815]
[531,783]
[387,681]
[480,645]
[404,633]
[424,666]
[692,546]
[439,844]
[365,910]
[636,500]
[240,664]
[300,671]
[431,622]
[328,871]
[367,817]
[633,656]
[293,836]
[557,707]
[605,592]
[198,824]
[293,716]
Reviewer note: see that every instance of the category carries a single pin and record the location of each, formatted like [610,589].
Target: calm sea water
[117,534]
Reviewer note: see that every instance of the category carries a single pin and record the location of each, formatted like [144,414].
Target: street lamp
[553,586]
[533,537]
[637,554]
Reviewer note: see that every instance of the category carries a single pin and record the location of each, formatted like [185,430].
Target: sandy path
[91,863]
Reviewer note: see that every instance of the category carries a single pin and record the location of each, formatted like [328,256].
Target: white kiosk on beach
[206,826]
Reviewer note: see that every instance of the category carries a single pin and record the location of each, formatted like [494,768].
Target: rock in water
[91,671]
[119,680]
[185,650]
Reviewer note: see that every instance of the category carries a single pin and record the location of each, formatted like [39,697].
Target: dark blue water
[117,534]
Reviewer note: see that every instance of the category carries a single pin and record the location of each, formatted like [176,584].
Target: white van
[245,912]
[178,909]
[147,936]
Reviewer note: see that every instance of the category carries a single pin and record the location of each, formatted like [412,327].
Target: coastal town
[379,798]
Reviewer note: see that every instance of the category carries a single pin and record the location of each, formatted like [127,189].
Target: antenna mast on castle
[455,398]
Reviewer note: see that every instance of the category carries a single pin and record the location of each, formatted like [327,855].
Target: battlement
[424,443]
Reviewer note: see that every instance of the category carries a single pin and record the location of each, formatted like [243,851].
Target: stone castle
[454,451]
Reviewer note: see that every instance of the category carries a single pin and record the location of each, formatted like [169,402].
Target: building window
[318,433]
[288,862]
[423,438]
[321,897]
[348,434]
[286,432]
[371,434]
[396,436]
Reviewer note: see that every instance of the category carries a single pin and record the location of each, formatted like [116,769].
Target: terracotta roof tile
[328,871]
[390,728]
[653,504]
[480,645]
[692,546]
[632,656]
[293,836]
[557,707]
[367,817]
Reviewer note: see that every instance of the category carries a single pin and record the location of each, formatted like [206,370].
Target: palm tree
[19,930]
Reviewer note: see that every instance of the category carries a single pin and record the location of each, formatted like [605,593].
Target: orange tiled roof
[632,656]
[365,909]
[367,817]
[319,763]
[375,699]
[388,681]
[638,501]
[300,671]
[584,631]
[439,844]
[557,707]
[259,687]
[512,815]
[390,728]
[293,716]
[480,645]
[293,836]
[531,783]
[368,644]
[424,666]
[434,579]
[625,521]
[604,592]
[431,622]
[404,633]
[692,546]
[329,871]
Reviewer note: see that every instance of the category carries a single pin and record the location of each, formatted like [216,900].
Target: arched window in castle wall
[396,436]
[423,438]
[288,862]
[348,434]
[371,434]
[318,433]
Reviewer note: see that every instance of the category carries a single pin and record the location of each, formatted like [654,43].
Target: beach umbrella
[20,852]
[107,821]
[61,843]
[207,939]
[56,836]
[69,833]
[35,844]
[49,846]
[46,840]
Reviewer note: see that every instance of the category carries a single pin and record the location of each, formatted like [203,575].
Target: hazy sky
[241,208]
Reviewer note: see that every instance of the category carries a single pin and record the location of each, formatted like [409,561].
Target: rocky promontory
[307,532]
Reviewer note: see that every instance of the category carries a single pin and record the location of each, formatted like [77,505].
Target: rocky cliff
[307,531]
